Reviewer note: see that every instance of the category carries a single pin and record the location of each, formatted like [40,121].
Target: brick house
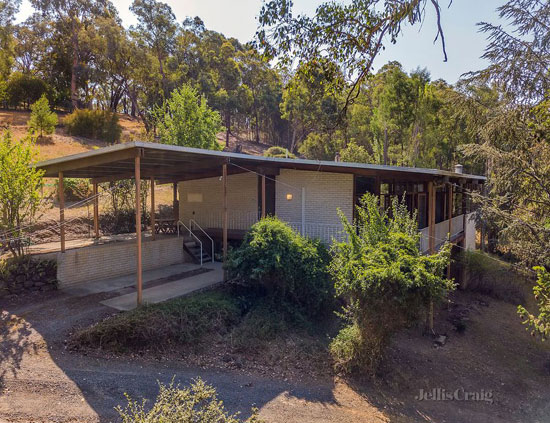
[219,195]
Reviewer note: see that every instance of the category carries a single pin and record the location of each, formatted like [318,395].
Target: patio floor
[169,290]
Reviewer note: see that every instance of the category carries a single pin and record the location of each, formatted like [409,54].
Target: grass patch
[179,322]
[492,277]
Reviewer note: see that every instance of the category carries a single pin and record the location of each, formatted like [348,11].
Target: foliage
[120,216]
[24,90]
[279,152]
[75,189]
[97,124]
[539,324]
[186,120]
[42,118]
[319,146]
[351,34]
[184,321]
[387,280]
[197,403]
[20,190]
[289,269]
[512,125]
[355,153]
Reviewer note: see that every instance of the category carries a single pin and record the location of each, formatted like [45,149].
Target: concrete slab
[113,284]
[170,290]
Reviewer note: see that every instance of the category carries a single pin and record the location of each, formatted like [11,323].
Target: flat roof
[171,163]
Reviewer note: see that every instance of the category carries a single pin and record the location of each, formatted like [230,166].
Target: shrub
[197,404]
[75,189]
[286,268]
[385,279]
[279,152]
[98,124]
[539,324]
[42,118]
[25,273]
[182,321]
[492,277]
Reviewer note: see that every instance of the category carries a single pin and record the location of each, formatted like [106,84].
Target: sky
[414,48]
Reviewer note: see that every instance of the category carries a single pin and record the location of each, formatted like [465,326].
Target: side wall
[242,201]
[470,233]
[325,193]
[112,260]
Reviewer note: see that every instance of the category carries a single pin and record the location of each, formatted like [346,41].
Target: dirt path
[40,381]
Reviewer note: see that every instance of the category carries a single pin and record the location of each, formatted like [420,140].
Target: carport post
[224,177]
[61,194]
[152,207]
[138,228]
[263,196]
[96,211]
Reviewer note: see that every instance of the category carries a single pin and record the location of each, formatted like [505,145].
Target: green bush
[23,90]
[197,404]
[539,324]
[98,124]
[288,269]
[182,321]
[75,189]
[386,280]
[279,152]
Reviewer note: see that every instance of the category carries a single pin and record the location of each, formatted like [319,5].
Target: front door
[269,196]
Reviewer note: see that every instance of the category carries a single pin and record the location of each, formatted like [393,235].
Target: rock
[441,340]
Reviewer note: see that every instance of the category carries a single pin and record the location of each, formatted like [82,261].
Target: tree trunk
[386,146]
[74,98]
[227,128]
[257,127]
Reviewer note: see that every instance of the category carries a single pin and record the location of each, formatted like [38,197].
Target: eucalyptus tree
[71,19]
[351,34]
[156,29]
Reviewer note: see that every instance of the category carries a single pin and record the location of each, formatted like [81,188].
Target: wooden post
[139,281]
[450,207]
[263,196]
[61,194]
[431,217]
[152,207]
[431,243]
[96,211]
[175,204]
[224,177]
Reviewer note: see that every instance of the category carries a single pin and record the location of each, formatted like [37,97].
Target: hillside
[62,144]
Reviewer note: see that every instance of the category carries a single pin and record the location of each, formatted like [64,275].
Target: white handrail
[192,223]
[190,233]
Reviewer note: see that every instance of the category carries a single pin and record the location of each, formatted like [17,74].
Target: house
[219,195]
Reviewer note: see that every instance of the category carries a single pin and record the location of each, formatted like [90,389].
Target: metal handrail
[192,222]
[190,233]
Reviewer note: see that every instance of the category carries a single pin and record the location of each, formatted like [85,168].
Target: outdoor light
[289,197]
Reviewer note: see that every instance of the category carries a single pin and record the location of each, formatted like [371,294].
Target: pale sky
[238,18]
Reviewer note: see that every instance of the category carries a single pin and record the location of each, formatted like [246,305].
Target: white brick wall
[470,233]
[117,259]
[325,194]
[242,201]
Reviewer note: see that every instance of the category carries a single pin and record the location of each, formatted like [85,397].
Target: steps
[192,247]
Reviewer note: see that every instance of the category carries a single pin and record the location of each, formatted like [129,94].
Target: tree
[71,19]
[42,118]
[8,10]
[156,29]
[20,190]
[185,119]
[387,280]
[352,34]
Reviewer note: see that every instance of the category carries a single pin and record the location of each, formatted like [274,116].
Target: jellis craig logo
[459,394]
